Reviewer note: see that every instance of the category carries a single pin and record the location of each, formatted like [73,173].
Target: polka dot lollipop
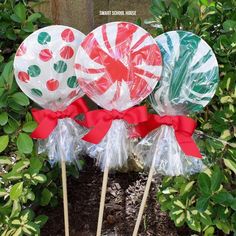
[44,67]
[44,70]
[118,65]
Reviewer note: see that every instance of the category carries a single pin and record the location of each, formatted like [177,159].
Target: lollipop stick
[144,200]
[102,201]
[65,200]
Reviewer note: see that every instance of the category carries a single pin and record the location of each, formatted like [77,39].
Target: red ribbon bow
[47,119]
[101,121]
[183,126]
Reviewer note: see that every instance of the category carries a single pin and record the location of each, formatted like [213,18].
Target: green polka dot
[60,67]
[72,82]
[34,70]
[44,38]
[36,92]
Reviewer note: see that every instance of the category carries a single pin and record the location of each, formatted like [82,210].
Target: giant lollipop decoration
[117,65]
[44,70]
[189,81]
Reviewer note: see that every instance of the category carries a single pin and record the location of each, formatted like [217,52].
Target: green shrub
[206,202]
[25,178]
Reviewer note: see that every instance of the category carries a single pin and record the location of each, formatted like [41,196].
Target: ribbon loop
[101,120]
[183,126]
[47,119]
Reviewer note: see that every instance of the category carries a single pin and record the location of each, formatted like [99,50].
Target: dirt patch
[123,198]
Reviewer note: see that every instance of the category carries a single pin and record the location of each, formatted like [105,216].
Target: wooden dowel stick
[102,201]
[65,199]
[144,200]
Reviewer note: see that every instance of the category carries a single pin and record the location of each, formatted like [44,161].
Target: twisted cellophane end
[64,143]
[114,149]
[160,149]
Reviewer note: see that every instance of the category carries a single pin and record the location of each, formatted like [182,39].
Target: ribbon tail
[188,145]
[97,133]
[44,129]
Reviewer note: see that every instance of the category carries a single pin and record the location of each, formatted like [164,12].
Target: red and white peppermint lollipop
[118,65]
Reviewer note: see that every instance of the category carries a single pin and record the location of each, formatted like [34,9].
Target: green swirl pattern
[190,74]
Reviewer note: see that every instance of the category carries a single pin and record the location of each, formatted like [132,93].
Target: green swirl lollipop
[190,74]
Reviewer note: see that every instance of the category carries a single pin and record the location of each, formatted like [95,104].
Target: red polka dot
[21,50]
[52,84]
[66,52]
[67,35]
[45,55]
[23,76]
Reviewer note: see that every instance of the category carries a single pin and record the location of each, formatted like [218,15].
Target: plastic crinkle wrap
[117,65]
[188,82]
[44,70]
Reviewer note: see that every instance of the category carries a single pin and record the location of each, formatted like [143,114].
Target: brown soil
[124,194]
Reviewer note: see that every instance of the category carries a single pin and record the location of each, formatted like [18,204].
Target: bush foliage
[206,202]
[25,179]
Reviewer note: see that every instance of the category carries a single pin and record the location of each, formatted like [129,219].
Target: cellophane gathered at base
[64,143]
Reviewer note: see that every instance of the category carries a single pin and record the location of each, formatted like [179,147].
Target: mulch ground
[124,194]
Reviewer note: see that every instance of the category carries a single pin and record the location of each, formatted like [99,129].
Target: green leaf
[180,219]
[233,204]
[46,196]
[3,192]
[205,219]
[4,160]
[40,178]
[29,126]
[230,164]
[194,225]
[11,126]
[202,203]
[16,191]
[24,143]
[3,118]
[4,140]
[223,197]
[16,208]
[175,11]
[15,18]
[27,215]
[216,179]
[210,231]
[16,222]
[224,226]
[204,183]
[41,220]
[20,165]
[28,27]
[186,188]
[229,25]
[20,11]
[179,204]
[21,99]
[7,73]
[18,232]
[11,34]
[34,17]
[35,165]
[31,229]
[30,196]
